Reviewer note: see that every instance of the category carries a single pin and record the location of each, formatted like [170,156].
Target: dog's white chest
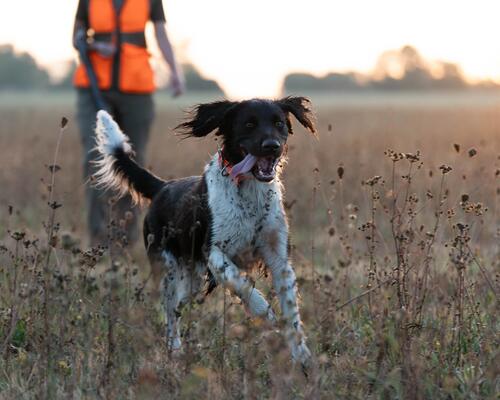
[240,213]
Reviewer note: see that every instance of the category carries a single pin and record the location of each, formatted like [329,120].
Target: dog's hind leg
[170,293]
[180,284]
[227,273]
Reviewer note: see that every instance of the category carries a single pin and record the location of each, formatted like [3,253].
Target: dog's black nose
[270,145]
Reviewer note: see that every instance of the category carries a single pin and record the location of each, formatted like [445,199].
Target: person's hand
[105,49]
[177,84]
[80,36]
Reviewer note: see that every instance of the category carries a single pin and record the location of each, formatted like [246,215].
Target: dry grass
[397,259]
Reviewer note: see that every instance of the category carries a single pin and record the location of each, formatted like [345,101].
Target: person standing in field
[115,34]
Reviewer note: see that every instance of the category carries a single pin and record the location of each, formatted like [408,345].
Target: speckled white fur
[180,285]
[251,215]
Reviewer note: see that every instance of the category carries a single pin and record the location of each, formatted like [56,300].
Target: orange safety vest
[129,69]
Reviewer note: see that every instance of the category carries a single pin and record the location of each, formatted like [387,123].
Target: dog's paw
[174,345]
[271,316]
[302,355]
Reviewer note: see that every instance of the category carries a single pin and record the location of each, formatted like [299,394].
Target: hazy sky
[248,46]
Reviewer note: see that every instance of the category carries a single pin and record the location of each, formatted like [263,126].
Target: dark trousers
[134,113]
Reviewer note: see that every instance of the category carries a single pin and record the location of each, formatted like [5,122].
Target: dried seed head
[340,171]
[17,236]
[472,152]
[457,147]
[54,205]
[445,168]
[373,181]
[394,156]
[54,240]
[412,157]
[53,168]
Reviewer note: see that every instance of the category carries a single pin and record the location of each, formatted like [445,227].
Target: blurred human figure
[114,31]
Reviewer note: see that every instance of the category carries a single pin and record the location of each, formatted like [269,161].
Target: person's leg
[134,113]
[96,201]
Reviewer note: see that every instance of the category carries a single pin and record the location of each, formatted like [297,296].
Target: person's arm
[80,32]
[106,49]
[177,77]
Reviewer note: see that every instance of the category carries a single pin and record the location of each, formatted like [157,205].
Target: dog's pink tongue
[243,166]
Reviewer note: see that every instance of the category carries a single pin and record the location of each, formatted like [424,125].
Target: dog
[206,230]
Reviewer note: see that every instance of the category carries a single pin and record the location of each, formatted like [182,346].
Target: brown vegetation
[394,215]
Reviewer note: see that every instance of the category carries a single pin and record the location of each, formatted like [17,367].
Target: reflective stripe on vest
[134,73]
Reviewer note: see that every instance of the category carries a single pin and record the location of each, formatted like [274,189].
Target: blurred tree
[67,81]
[297,82]
[195,82]
[407,69]
[402,69]
[452,77]
[20,71]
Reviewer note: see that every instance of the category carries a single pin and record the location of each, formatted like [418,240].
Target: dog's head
[254,127]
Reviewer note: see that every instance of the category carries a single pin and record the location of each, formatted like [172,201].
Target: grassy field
[395,221]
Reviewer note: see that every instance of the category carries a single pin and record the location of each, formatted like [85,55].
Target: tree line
[20,71]
[402,69]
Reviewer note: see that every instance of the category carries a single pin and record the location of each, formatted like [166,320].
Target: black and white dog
[210,228]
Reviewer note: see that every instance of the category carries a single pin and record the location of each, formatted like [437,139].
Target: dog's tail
[116,169]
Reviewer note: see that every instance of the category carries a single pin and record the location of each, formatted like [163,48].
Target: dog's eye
[249,125]
[279,124]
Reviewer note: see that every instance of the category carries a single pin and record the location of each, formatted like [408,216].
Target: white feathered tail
[116,168]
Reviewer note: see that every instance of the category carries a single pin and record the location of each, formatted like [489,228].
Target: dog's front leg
[228,274]
[275,254]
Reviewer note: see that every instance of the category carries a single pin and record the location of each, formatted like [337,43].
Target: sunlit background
[248,47]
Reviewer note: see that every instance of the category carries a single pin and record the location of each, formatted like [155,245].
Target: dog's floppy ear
[300,107]
[205,118]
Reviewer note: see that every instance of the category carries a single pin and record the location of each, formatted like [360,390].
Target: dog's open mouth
[263,168]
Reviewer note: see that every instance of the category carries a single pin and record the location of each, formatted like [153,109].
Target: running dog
[207,230]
